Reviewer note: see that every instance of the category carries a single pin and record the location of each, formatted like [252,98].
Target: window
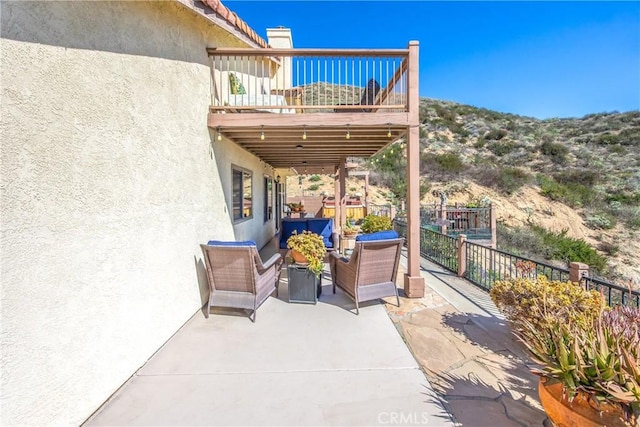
[242,197]
[268,198]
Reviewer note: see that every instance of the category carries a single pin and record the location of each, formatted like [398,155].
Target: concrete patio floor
[299,364]
[445,359]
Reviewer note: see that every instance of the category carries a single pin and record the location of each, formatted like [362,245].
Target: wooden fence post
[462,255]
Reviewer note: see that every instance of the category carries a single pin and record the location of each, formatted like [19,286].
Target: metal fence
[434,246]
[615,295]
[439,248]
[484,265]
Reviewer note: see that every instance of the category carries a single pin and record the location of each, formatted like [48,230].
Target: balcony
[309,109]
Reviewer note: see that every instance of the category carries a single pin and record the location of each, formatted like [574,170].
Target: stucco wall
[109,180]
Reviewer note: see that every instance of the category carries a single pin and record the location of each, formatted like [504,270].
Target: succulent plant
[531,299]
[311,246]
[601,360]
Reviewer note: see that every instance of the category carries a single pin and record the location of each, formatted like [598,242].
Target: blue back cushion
[288,227]
[323,227]
[380,235]
[223,243]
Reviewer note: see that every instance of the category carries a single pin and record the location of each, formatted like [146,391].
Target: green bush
[572,194]
[314,178]
[373,223]
[556,151]
[449,162]
[563,248]
[608,139]
[502,148]
[313,187]
[583,177]
[481,142]
[511,180]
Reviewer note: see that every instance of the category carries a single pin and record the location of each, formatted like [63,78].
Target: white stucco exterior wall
[109,182]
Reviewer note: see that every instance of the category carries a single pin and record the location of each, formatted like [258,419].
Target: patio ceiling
[326,144]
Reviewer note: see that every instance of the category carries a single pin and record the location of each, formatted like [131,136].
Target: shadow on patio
[468,353]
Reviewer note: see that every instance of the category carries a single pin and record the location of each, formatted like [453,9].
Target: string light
[348,135]
[304,132]
[219,134]
[262,132]
[389,131]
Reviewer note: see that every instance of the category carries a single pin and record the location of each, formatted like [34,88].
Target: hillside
[580,176]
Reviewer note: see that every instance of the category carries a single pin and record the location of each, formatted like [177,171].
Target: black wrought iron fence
[614,294]
[485,265]
[434,246]
[439,248]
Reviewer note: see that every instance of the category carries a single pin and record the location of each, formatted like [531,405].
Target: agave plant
[602,361]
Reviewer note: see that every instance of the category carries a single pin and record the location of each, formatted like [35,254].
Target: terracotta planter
[580,412]
[298,258]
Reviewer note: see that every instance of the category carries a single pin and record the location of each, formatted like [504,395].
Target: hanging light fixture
[348,135]
[304,132]
[262,132]
[219,134]
[388,130]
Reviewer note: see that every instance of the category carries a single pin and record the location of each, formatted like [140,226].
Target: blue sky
[540,59]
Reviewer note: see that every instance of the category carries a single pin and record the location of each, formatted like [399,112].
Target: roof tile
[234,20]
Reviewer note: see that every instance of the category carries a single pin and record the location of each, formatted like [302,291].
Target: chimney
[280,38]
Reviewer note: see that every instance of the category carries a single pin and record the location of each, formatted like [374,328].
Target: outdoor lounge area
[319,364]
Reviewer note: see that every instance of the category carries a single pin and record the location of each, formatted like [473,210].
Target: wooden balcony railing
[308,80]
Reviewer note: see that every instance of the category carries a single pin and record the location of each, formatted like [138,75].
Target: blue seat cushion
[322,227]
[288,227]
[380,235]
[223,243]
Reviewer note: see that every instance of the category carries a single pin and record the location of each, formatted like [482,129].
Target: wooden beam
[218,51]
[321,120]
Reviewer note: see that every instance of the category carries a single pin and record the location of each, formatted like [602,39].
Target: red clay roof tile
[233,19]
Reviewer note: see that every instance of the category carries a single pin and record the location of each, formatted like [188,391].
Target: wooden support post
[343,193]
[413,281]
[337,212]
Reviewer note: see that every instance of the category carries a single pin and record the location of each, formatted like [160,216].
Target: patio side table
[304,286]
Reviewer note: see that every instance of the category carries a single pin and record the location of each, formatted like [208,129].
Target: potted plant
[349,229]
[296,207]
[308,248]
[588,355]
[374,223]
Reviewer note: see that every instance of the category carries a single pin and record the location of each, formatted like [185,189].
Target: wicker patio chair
[371,271]
[237,276]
